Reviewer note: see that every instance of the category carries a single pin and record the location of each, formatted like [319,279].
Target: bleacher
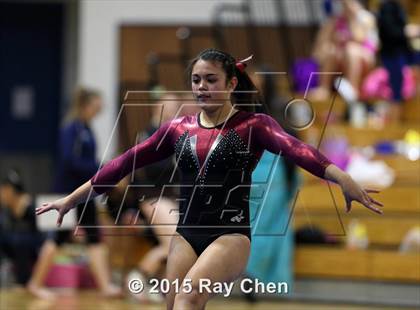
[322,206]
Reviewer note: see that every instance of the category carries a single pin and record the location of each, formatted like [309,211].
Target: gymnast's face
[209,85]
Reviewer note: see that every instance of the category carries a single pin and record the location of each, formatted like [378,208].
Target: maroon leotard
[216,165]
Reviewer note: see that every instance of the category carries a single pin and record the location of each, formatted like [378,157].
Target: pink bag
[376,85]
[409,83]
[70,275]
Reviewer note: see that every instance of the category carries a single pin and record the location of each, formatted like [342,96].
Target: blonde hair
[81,98]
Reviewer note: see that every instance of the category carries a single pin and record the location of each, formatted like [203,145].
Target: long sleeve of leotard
[157,147]
[269,135]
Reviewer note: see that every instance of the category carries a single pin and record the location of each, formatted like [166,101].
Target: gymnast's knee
[193,299]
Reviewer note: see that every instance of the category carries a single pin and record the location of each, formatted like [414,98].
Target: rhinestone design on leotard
[227,153]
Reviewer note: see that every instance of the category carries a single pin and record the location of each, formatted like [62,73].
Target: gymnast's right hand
[62,205]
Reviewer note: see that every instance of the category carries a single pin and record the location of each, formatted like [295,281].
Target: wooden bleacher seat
[411,110]
[382,232]
[359,136]
[371,265]
[315,207]
[317,199]
[407,172]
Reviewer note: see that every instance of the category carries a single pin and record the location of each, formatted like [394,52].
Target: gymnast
[216,151]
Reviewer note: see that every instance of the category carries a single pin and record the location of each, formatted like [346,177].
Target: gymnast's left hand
[353,191]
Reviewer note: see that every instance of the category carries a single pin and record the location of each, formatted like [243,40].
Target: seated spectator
[395,49]
[345,43]
[20,241]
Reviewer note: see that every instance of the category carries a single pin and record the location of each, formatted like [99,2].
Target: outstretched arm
[270,136]
[67,203]
[158,147]
[352,190]
[153,149]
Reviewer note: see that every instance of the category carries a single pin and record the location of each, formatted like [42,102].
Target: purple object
[302,70]
[336,149]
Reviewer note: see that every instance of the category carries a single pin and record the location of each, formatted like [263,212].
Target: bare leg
[354,66]
[330,63]
[100,270]
[152,261]
[163,219]
[223,261]
[45,259]
[358,60]
[181,258]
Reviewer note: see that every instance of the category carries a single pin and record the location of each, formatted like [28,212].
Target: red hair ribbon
[241,65]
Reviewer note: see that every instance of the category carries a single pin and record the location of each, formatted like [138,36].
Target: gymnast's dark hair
[245,96]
